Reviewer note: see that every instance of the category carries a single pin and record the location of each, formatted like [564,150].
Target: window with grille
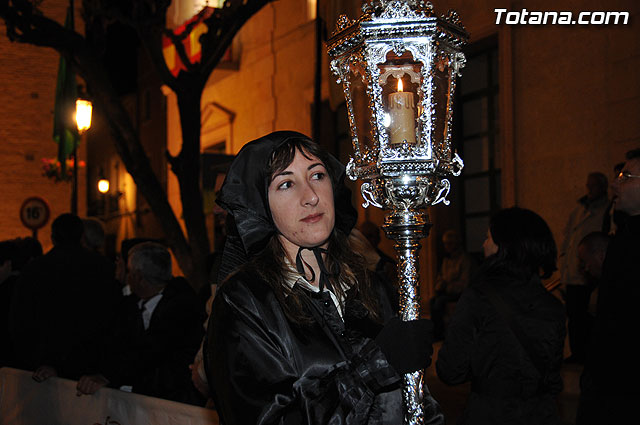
[476,129]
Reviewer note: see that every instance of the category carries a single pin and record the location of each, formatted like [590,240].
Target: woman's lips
[312,218]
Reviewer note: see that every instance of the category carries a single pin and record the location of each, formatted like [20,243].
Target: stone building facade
[539,107]
[549,104]
[27,94]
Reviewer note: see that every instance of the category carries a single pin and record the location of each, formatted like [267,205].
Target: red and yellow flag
[191,42]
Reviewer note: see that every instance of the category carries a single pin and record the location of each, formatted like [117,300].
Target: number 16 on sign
[34,214]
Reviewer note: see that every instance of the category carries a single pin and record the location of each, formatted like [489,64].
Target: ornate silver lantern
[397,64]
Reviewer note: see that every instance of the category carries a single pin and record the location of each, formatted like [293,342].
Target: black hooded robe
[262,368]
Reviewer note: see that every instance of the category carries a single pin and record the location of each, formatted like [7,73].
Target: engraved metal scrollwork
[343,23]
[443,192]
[350,170]
[459,61]
[397,9]
[398,48]
[368,194]
[456,165]
[453,18]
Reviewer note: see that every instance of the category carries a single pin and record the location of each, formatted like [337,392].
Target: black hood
[244,191]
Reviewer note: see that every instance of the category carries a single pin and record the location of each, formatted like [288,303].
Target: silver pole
[407,226]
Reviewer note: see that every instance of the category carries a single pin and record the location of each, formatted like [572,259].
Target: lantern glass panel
[400,80]
[360,108]
[441,101]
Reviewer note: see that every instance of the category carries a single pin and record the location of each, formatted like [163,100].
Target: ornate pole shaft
[408,277]
[406,227]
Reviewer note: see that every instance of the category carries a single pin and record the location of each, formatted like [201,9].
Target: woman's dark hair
[284,155]
[525,243]
[347,267]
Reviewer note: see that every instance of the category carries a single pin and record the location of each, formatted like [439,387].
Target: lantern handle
[456,165]
[445,186]
[366,189]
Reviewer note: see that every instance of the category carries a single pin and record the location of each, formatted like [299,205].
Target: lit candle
[402,112]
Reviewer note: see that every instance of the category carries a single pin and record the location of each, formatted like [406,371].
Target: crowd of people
[65,314]
[303,327]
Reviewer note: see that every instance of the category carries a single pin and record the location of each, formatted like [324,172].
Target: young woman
[507,333]
[301,333]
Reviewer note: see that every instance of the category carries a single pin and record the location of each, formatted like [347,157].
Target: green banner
[65,130]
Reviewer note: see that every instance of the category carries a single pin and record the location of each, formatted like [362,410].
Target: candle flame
[399,84]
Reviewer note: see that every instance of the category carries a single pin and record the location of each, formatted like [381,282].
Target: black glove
[407,345]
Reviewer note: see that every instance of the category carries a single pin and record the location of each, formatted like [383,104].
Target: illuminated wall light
[311,9]
[83,114]
[103,185]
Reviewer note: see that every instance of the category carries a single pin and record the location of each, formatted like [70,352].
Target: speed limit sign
[34,213]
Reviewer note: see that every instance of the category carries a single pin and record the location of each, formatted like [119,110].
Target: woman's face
[301,203]
[489,247]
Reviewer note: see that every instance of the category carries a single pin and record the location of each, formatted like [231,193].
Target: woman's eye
[318,176]
[285,185]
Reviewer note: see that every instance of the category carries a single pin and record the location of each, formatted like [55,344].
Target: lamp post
[397,64]
[83,121]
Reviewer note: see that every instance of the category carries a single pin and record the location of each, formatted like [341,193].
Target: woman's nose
[309,196]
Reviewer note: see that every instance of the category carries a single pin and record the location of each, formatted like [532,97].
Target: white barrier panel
[54,402]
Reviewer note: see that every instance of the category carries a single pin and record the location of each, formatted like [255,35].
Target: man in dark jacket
[64,307]
[163,327]
[585,218]
[160,331]
[610,379]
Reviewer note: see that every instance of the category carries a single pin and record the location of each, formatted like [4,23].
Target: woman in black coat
[300,333]
[507,333]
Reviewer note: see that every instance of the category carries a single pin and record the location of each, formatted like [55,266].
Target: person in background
[198,367]
[612,218]
[372,258]
[609,381]
[14,255]
[7,281]
[121,261]
[64,308]
[507,333]
[93,235]
[386,266]
[455,272]
[161,330]
[586,217]
[591,252]
[171,316]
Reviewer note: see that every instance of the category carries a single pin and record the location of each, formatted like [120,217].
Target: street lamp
[83,115]
[83,121]
[103,185]
[103,188]
[397,64]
